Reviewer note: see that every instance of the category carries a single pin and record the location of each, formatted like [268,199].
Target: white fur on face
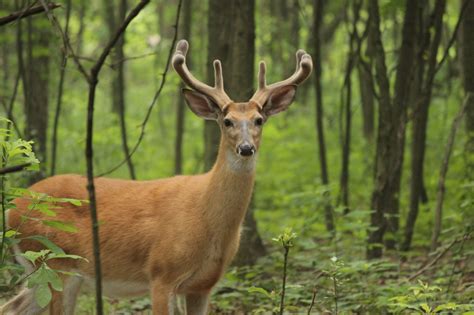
[238,163]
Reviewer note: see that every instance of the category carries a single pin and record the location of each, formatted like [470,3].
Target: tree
[36,85]
[421,103]
[118,81]
[231,28]
[467,67]
[181,106]
[391,128]
[318,14]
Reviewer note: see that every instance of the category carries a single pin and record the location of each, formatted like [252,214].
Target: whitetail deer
[168,236]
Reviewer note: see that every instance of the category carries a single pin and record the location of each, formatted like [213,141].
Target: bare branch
[66,41]
[155,97]
[438,257]
[27,12]
[453,36]
[444,170]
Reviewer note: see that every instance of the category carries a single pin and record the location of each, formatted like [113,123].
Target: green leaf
[259,290]
[46,242]
[43,295]
[444,307]
[56,256]
[61,225]
[11,233]
[425,307]
[33,256]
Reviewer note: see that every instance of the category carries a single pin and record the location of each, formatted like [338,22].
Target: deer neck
[230,187]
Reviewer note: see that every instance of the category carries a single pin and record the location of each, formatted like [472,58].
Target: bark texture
[391,130]
[467,66]
[318,7]
[37,87]
[181,106]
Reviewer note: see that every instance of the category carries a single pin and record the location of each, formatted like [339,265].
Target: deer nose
[246,149]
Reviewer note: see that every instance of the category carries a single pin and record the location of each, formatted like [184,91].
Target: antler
[304,66]
[217,92]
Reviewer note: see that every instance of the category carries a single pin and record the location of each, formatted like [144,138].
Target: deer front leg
[162,298]
[197,303]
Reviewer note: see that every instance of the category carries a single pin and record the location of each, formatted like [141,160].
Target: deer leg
[197,303]
[72,286]
[162,298]
[24,303]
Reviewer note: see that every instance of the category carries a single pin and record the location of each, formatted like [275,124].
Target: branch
[66,41]
[13,169]
[453,36]
[27,12]
[93,80]
[444,170]
[100,62]
[437,258]
[155,97]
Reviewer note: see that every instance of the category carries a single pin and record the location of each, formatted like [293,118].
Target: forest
[363,201]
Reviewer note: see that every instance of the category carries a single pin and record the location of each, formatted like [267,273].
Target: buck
[168,236]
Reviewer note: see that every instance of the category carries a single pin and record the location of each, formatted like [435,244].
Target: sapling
[286,241]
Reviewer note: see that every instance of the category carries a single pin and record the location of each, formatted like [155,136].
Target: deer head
[240,123]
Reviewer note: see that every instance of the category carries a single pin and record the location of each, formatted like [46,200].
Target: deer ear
[280,99]
[201,105]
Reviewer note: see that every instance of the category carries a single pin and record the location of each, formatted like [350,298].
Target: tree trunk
[181,106]
[220,30]
[347,109]
[467,62]
[318,19]
[420,120]
[241,86]
[118,82]
[391,129]
[62,76]
[364,71]
[37,81]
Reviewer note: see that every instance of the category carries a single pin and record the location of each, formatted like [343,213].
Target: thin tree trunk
[467,69]
[89,153]
[420,122]
[37,80]
[344,178]
[80,32]
[438,214]
[180,109]
[118,89]
[366,88]
[121,90]
[62,75]
[318,19]
[377,222]
[219,45]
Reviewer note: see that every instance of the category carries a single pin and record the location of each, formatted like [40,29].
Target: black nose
[246,149]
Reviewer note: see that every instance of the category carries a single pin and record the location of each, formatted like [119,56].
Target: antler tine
[218,79]
[217,92]
[304,66]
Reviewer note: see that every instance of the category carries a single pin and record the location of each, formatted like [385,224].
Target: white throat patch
[240,164]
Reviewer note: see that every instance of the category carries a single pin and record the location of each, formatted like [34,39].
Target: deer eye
[228,123]
[258,121]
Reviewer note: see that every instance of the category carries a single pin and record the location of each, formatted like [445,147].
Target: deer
[166,237]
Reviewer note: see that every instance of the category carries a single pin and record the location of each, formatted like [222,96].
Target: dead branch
[438,257]
[27,12]
[444,171]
